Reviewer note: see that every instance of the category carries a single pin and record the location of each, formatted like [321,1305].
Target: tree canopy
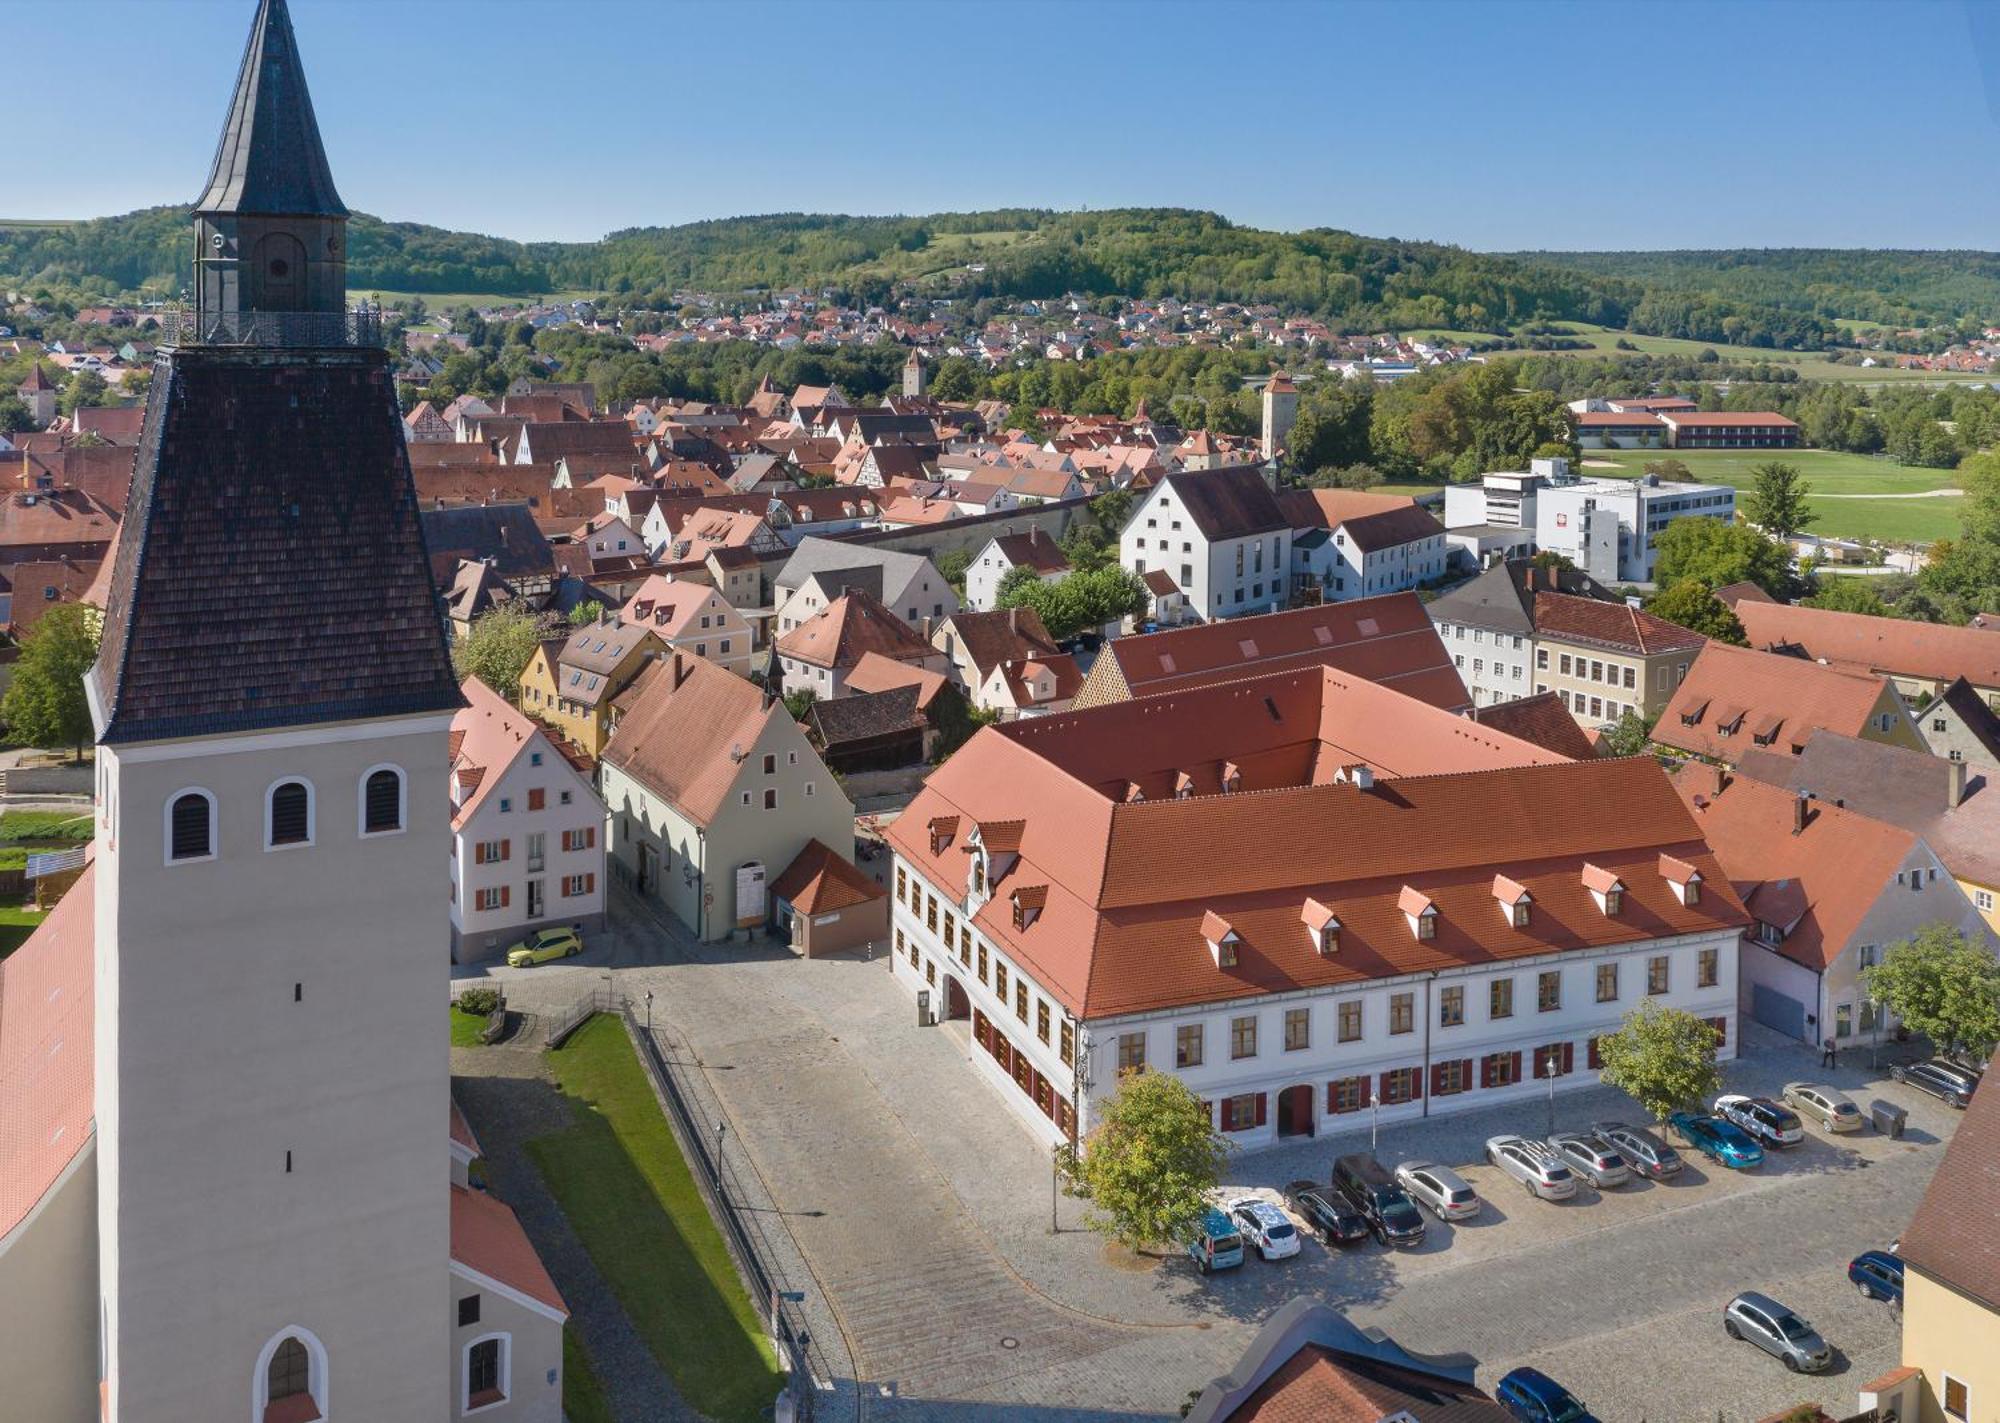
[1944,985]
[1716,554]
[1076,601]
[1777,502]
[1147,1167]
[1693,605]
[45,705]
[1662,1058]
[499,645]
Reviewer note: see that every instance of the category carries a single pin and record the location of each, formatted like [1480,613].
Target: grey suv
[1645,1153]
[1438,1189]
[1533,1165]
[1777,1331]
[1591,1157]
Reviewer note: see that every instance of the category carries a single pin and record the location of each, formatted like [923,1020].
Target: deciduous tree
[1694,606]
[1148,1166]
[1943,985]
[1777,502]
[1849,595]
[45,705]
[499,645]
[1662,1058]
[1717,554]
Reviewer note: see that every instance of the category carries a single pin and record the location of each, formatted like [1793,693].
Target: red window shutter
[1486,1070]
[479,853]
[506,849]
[1382,1085]
[1569,1057]
[1541,1063]
[590,837]
[1437,1078]
[1261,1119]
[503,896]
[1465,1073]
[1332,1097]
[1416,1083]
[1514,1065]
[536,797]
[1592,1058]
[590,883]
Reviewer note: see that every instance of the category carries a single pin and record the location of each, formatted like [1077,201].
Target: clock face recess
[216,241]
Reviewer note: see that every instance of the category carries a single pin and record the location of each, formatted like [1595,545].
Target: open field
[1811,365]
[1906,519]
[439,301]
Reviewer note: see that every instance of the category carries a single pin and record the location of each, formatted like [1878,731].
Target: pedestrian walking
[1830,1054]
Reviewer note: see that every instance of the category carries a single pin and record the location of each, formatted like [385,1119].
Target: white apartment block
[1220,535]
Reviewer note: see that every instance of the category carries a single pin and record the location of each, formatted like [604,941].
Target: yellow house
[1605,659]
[1951,1285]
[569,682]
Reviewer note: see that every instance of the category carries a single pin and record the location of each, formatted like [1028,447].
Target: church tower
[272,698]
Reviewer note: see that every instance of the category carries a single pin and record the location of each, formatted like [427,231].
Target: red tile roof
[681,724]
[1127,883]
[1860,643]
[487,1237]
[46,1050]
[1949,1239]
[1613,625]
[876,673]
[1543,720]
[819,881]
[851,625]
[1727,419]
[1792,696]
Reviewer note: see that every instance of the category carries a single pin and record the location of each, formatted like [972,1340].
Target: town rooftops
[1003,635]
[1616,626]
[504,535]
[819,881]
[1127,866]
[684,726]
[1229,503]
[876,673]
[593,653]
[1861,643]
[1387,639]
[487,1239]
[1035,550]
[1541,720]
[1371,521]
[853,624]
[1734,700]
[1502,598]
[487,735]
[1941,1242]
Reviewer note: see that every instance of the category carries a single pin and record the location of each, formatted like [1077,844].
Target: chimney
[1954,795]
[1799,810]
[680,669]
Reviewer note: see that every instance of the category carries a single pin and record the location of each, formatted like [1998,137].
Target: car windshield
[1400,1213]
[1222,1243]
[1461,1196]
[1792,1327]
[1565,1409]
[1280,1231]
[1558,1173]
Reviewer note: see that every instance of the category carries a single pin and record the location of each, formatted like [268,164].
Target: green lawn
[19,825]
[1903,520]
[15,926]
[583,1395]
[465,1028]
[439,301]
[622,1182]
[1812,365]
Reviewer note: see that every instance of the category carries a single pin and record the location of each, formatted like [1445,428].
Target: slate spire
[270,162]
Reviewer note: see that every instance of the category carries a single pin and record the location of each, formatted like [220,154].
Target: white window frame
[167,828]
[361,802]
[316,1373]
[465,1408]
[312,813]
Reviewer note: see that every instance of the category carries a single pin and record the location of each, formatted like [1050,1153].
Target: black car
[1941,1082]
[1326,1213]
[1371,1190]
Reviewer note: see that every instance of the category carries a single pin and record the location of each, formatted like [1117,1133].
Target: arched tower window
[289,1385]
[190,826]
[382,807]
[288,816]
[290,1372]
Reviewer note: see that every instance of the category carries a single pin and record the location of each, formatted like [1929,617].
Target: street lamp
[1552,1064]
[649,1012]
[1374,1117]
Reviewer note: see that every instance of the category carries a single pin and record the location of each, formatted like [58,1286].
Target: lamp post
[1552,1064]
[1374,1116]
[649,1012]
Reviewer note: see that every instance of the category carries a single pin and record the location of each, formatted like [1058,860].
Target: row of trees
[1150,1165]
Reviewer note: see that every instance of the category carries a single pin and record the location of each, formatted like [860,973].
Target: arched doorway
[281,272]
[1295,1111]
[956,1004]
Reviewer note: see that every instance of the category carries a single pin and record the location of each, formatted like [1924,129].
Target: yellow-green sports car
[543,947]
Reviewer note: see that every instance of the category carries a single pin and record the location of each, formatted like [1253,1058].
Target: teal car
[1216,1245]
[545,946]
[1719,1139]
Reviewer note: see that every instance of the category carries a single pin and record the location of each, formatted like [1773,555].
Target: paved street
[922,1210]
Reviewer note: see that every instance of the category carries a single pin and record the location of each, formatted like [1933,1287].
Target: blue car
[1878,1275]
[1722,1142]
[1531,1396]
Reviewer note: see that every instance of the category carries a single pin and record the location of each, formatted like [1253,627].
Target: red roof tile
[1614,625]
[1802,695]
[487,1237]
[1860,643]
[46,1051]
[1949,1238]
[819,881]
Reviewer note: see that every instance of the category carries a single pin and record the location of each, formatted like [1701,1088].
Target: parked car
[1940,1082]
[544,946]
[1971,1074]
[1645,1153]
[1370,1189]
[1722,1142]
[1777,1331]
[1326,1213]
[1829,1106]
[1531,1396]
[1266,1227]
[1533,1165]
[1878,1275]
[1591,1157]
[1216,1245]
[1439,1189]
[1764,1119]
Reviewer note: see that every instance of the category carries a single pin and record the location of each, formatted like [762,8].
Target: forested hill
[1895,288]
[1785,298]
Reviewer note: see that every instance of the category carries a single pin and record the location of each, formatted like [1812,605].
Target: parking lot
[924,1211]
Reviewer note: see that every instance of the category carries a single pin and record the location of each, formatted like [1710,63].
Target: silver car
[1777,1331]
[1645,1153]
[1438,1189]
[1829,1106]
[1533,1165]
[1591,1157]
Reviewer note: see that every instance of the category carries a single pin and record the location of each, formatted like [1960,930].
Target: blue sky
[1493,124]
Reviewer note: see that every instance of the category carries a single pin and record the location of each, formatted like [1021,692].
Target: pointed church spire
[269,161]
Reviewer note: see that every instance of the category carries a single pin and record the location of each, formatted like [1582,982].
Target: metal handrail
[186,326]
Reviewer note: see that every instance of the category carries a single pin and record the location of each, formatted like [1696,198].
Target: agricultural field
[442,301]
[1811,365]
[1854,496]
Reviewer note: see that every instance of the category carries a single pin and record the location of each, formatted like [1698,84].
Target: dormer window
[1232,776]
[1683,877]
[1221,939]
[1324,928]
[1028,901]
[1183,785]
[1419,911]
[1606,888]
[1514,900]
[943,829]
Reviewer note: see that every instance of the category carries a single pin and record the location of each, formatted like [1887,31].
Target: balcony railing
[187,327]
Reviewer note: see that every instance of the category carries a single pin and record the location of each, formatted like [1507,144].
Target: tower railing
[186,326]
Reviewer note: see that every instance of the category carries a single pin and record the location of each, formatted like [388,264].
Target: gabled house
[570,686]
[1351,544]
[818,654]
[712,791]
[820,568]
[1828,889]
[1960,725]
[1922,658]
[1489,625]
[1007,663]
[692,617]
[527,847]
[1220,535]
[1002,555]
[1735,699]
[606,536]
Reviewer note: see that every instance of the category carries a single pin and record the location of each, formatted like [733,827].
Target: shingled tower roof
[270,160]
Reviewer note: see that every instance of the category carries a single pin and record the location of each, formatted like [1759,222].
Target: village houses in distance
[838,824]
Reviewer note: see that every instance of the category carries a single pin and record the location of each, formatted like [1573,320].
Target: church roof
[269,160]
[270,570]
